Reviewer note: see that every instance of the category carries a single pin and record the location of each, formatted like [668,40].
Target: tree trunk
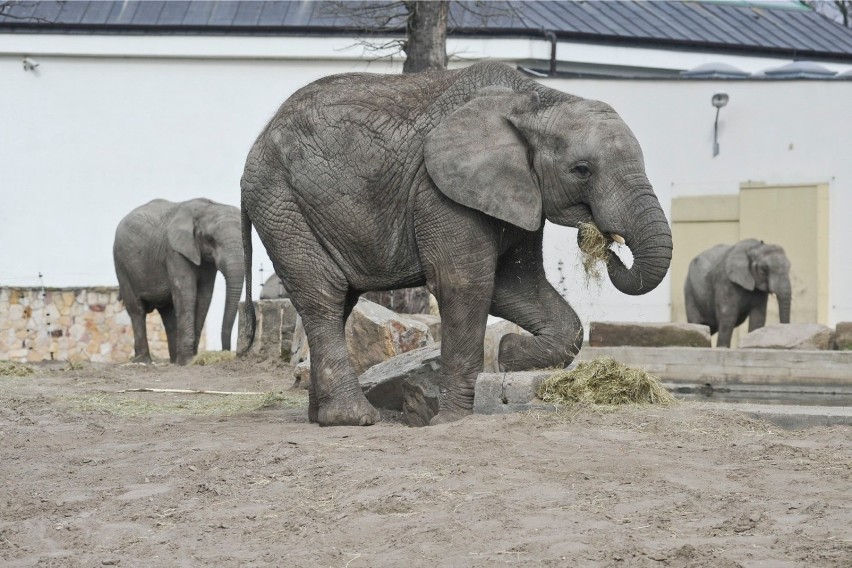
[426,36]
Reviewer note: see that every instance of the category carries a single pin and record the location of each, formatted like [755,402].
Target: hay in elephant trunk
[604,381]
[594,246]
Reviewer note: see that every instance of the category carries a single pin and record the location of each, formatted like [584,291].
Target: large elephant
[728,283]
[372,182]
[166,257]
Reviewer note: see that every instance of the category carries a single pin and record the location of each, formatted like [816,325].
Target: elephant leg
[523,295]
[204,294]
[182,281]
[757,315]
[167,314]
[727,321]
[459,270]
[321,294]
[137,311]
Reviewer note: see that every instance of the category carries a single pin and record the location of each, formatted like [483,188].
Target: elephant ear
[738,264]
[478,157]
[181,235]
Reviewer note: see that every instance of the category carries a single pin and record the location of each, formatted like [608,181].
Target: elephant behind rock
[728,283]
[166,257]
[365,182]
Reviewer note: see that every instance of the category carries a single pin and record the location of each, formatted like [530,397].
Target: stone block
[843,336]
[493,334]
[798,336]
[503,393]
[273,335]
[617,334]
[299,350]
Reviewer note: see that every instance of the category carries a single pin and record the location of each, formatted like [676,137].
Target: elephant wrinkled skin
[373,182]
[728,283]
[166,257]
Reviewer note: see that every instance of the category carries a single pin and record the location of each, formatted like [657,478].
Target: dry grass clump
[213,357]
[195,405]
[594,246]
[15,369]
[604,381]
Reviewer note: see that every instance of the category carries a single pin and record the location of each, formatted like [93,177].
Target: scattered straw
[197,405]
[213,357]
[594,246]
[604,381]
[15,369]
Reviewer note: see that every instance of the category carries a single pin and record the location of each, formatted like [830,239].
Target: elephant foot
[145,359]
[313,407]
[455,402]
[346,413]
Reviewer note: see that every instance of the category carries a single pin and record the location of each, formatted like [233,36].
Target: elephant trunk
[234,272]
[650,241]
[783,293]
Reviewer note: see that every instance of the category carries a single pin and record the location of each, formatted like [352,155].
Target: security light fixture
[29,64]
[719,100]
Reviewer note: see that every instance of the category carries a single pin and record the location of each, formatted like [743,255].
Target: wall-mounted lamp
[29,64]
[719,100]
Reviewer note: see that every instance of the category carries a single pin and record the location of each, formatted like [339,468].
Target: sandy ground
[94,477]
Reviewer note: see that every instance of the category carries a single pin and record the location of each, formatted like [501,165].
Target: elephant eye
[581,170]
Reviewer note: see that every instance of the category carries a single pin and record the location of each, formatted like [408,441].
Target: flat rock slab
[382,383]
[275,324]
[617,334]
[802,336]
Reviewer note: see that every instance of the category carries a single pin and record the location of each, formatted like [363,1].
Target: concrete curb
[505,393]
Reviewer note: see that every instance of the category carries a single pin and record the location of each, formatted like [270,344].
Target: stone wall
[71,324]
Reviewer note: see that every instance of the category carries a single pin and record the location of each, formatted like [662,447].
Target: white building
[107,105]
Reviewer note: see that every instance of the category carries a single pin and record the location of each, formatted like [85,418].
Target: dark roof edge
[322,31]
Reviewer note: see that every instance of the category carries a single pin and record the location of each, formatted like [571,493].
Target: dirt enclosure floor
[96,477]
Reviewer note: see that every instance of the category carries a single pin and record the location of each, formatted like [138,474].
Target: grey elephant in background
[366,182]
[729,283]
[166,257]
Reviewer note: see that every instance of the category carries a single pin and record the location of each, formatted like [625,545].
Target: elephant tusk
[617,238]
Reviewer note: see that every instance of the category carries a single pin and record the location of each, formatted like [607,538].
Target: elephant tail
[248,313]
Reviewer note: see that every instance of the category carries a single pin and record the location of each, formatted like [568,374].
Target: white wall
[107,123]
[85,140]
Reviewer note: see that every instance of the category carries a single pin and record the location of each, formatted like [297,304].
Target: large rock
[273,335]
[493,334]
[433,321]
[383,383]
[843,336]
[375,334]
[618,334]
[800,336]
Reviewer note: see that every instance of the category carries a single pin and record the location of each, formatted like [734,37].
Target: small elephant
[366,182]
[729,283]
[166,257]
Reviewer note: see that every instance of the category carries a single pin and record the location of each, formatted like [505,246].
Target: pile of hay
[14,369]
[213,357]
[594,246]
[604,381]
